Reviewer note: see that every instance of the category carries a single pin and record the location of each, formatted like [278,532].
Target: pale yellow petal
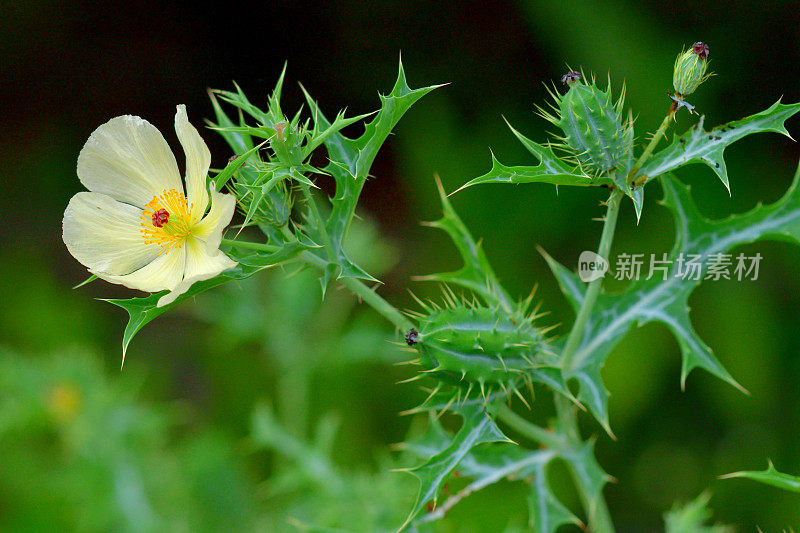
[105,235]
[128,159]
[200,265]
[210,228]
[198,160]
[165,272]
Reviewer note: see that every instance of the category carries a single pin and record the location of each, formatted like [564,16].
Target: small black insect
[412,337]
[570,77]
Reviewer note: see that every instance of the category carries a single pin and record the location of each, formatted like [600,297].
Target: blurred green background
[258,406]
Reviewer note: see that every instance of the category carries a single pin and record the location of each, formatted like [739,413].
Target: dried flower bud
[690,69]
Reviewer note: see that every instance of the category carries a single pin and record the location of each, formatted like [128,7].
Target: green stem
[366,294]
[358,288]
[372,298]
[598,516]
[251,245]
[576,333]
[369,296]
[648,151]
[529,430]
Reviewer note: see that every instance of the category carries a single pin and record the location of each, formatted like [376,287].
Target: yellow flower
[137,226]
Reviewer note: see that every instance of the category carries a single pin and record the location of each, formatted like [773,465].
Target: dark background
[69,66]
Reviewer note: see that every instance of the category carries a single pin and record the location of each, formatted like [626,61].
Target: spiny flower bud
[690,69]
[257,200]
[596,137]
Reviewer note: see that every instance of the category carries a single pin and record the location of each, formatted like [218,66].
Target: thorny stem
[575,335]
[368,295]
[598,516]
[358,288]
[648,151]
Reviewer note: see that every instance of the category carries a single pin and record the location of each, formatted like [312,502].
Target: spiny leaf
[225,174]
[666,300]
[500,173]
[635,193]
[556,171]
[477,274]
[318,135]
[698,146]
[492,463]
[351,159]
[144,309]
[239,100]
[546,513]
[592,477]
[570,284]
[551,169]
[770,476]
[238,141]
[691,517]
[477,428]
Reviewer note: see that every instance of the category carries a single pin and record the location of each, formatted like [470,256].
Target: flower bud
[595,133]
[690,69]
[258,201]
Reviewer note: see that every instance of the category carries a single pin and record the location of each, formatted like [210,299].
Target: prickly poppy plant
[482,354]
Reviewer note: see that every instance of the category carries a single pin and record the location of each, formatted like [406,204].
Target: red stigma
[701,49]
[160,217]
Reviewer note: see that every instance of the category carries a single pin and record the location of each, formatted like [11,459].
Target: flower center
[160,218]
[166,220]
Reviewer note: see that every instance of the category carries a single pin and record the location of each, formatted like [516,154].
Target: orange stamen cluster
[166,220]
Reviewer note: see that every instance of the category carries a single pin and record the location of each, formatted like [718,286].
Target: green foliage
[476,275]
[143,310]
[321,496]
[691,517]
[477,428]
[770,476]
[694,146]
[551,169]
[699,146]
[665,299]
[478,348]
[81,452]
[350,162]
[494,463]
